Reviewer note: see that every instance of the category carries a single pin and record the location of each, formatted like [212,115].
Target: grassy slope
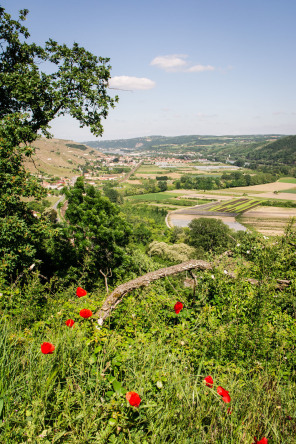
[53,156]
[243,335]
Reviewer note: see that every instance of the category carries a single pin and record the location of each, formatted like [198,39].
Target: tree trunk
[117,295]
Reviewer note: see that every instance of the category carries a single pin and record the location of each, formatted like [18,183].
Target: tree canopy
[77,84]
[210,235]
[37,84]
[97,229]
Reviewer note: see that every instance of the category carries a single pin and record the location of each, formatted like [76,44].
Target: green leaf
[118,387]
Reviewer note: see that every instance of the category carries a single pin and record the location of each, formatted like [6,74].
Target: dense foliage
[29,100]
[242,333]
[226,180]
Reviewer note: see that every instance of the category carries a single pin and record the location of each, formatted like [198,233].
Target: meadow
[166,198]
[287,179]
[241,334]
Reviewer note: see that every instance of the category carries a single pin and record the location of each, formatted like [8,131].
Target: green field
[236,205]
[156,197]
[291,190]
[151,169]
[287,180]
[167,198]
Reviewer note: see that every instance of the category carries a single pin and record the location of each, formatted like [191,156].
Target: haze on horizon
[196,67]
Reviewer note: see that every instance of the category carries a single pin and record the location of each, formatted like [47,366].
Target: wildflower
[85,313]
[224,393]
[178,307]
[133,398]
[248,251]
[81,292]
[47,348]
[209,381]
[262,441]
[70,323]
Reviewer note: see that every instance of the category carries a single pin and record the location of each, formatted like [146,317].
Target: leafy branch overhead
[38,84]
[76,83]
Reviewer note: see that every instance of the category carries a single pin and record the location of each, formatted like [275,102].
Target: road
[128,175]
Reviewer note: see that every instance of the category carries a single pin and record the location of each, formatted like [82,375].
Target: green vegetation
[243,335]
[210,235]
[156,197]
[167,198]
[287,180]
[77,146]
[291,190]
[237,317]
[29,100]
[236,205]
[278,203]
[226,180]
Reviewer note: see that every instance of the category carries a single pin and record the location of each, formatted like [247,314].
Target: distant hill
[281,151]
[269,149]
[194,143]
[57,157]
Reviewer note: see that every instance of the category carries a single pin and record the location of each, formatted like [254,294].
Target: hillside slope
[280,151]
[195,142]
[59,157]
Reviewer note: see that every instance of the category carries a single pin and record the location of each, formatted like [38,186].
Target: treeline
[281,151]
[227,180]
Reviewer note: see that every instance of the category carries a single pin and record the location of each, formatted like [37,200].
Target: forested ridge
[198,345]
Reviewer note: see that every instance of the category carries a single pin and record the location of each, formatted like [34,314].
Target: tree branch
[117,295]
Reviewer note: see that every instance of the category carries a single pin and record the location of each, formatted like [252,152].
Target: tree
[98,231]
[29,100]
[210,235]
[162,185]
[112,194]
[76,87]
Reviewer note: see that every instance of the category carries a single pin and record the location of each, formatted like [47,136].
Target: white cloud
[170,62]
[131,83]
[177,62]
[200,68]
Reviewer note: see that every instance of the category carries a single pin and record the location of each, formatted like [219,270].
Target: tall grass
[243,335]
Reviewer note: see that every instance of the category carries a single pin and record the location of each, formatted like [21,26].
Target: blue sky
[193,66]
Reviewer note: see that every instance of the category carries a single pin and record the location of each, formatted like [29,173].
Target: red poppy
[262,441]
[81,292]
[209,381]
[70,323]
[85,313]
[47,348]
[224,393]
[133,398]
[178,307]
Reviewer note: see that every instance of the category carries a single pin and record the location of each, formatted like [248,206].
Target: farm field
[270,221]
[288,180]
[147,171]
[152,197]
[166,198]
[235,205]
[266,187]
[290,190]
[274,190]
